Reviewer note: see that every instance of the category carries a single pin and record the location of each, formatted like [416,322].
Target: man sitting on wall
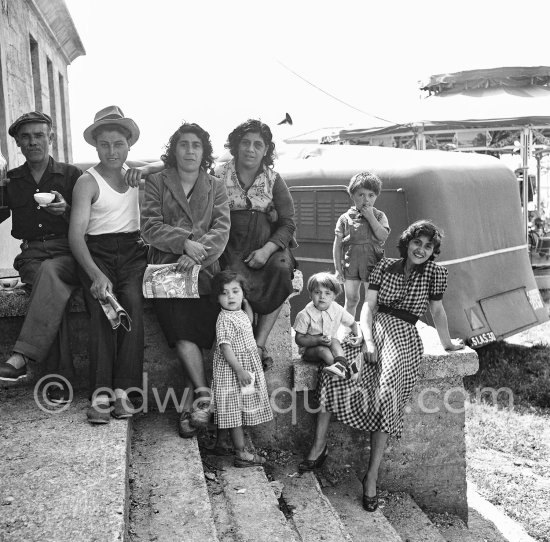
[105,238]
[45,261]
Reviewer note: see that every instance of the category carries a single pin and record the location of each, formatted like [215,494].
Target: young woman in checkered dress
[402,290]
[237,364]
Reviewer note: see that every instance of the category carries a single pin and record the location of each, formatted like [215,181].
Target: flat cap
[33,116]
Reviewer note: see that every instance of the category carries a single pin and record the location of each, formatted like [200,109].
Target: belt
[399,313]
[46,237]
[123,234]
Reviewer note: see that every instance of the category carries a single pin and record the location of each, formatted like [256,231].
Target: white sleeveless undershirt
[113,212]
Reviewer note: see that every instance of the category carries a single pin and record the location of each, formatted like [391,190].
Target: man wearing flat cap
[45,261]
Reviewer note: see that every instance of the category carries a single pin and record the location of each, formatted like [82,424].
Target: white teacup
[43,198]
[9,283]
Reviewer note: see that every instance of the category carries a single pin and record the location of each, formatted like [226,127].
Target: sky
[218,63]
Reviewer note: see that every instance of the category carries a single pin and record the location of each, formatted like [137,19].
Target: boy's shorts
[359,261]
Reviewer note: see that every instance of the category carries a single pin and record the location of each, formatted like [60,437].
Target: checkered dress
[232,408]
[376,401]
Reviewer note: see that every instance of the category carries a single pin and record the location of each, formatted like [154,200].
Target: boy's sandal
[338,370]
[256,461]
[267,360]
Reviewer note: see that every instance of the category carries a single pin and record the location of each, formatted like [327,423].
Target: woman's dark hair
[255,127]
[325,280]
[225,277]
[169,157]
[418,228]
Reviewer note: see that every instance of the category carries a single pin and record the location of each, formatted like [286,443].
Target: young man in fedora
[105,239]
[45,261]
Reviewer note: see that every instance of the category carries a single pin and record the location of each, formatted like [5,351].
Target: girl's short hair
[252,126]
[326,280]
[418,228]
[169,157]
[367,180]
[225,277]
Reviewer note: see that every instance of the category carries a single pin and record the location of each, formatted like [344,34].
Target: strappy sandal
[267,360]
[256,461]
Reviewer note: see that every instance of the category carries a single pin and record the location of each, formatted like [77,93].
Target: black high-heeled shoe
[312,464]
[370,504]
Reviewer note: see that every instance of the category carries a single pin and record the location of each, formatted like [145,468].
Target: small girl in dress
[238,385]
[360,235]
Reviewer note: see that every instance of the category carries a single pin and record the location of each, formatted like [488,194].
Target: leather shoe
[99,414]
[10,374]
[312,464]
[123,408]
[185,429]
[370,504]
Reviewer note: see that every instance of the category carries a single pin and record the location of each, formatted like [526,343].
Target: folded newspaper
[115,313]
[163,281]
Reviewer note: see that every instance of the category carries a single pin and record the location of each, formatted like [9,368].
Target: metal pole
[539,158]
[525,136]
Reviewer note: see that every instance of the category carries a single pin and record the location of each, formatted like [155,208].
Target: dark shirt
[29,221]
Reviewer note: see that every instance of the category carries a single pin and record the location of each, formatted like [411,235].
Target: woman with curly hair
[262,225]
[401,290]
[185,220]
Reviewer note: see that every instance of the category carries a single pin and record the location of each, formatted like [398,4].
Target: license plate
[482,339]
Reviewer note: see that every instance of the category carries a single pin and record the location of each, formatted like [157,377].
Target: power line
[332,95]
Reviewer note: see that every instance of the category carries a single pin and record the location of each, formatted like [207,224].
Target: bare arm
[380,232]
[367,312]
[307,341]
[242,376]
[441,325]
[84,193]
[135,174]
[337,257]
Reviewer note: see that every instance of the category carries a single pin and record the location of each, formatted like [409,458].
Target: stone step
[251,504]
[361,525]
[312,513]
[62,479]
[169,498]
[408,519]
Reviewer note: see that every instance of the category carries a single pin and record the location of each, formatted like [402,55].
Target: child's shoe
[338,370]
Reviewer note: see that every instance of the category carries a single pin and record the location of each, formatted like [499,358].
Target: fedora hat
[111,115]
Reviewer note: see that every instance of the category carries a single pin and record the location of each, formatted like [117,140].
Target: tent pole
[539,158]
[525,137]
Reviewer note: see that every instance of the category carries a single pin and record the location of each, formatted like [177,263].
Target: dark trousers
[116,355]
[49,267]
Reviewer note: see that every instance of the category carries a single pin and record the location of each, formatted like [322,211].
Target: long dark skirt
[272,284]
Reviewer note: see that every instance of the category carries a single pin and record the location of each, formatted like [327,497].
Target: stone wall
[428,461]
[38,41]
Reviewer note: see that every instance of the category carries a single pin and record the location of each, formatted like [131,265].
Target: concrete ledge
[62,479]
[436,362]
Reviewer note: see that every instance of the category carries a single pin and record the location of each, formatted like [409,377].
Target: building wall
[38,41]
